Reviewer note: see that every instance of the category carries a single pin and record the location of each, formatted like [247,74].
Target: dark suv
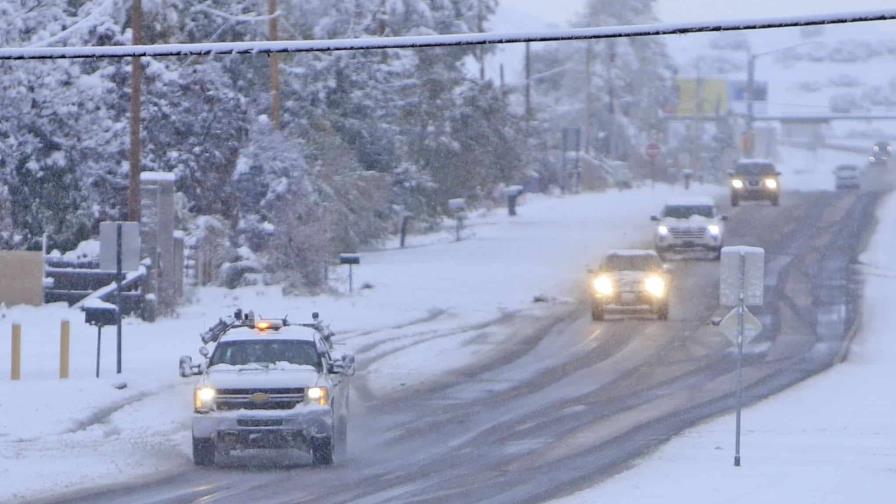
[880,153]
[753,180]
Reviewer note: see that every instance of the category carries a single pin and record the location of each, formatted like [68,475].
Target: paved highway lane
[567,401]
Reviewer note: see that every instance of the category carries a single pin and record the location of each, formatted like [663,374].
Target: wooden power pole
[274,60]
[589,56]
[136,84]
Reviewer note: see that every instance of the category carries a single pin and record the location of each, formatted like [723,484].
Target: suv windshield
[631,263]
[687,211]
[754,169]
[240,353]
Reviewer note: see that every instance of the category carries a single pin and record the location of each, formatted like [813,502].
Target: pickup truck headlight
[771,183]
[603,285]
[318,395]
[662,230]
[714,229]
[737,184]
[655,286]
[204,399]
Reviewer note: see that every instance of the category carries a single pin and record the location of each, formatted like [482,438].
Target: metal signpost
[742,284]
[653,151]
[459,207]
[118,279]
[351,260]
[99,315]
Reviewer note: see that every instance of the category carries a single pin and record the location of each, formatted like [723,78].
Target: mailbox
[457,205]
[349,259]
[101,315]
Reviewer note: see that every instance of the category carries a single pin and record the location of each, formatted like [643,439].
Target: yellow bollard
[16,369]
[64,344]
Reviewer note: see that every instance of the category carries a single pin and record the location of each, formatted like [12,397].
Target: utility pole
[611,99]
[136,84]
[528,82]
[751,85]
[501,70]
[589,54]
[274,60]
[481,29]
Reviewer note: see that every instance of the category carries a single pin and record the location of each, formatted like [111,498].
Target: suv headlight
[204,399]
[662,230]
[603,285]
[737,184]
[655,286]
[771,183]
[714,229]
[318,395]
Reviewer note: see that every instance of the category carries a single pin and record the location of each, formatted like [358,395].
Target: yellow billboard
[702,97]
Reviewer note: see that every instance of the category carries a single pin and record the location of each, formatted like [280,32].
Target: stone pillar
[157,235]
[178,266]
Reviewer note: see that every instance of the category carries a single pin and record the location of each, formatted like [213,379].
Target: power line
[468,39]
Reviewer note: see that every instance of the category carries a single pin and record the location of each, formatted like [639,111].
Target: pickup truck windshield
[754,169]
[631,263]
[241,353]
[687,211]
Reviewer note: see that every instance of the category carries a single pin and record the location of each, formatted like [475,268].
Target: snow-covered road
[431,311]
[829,440]
[549,401]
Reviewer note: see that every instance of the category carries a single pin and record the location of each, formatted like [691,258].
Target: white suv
[688,225]
[269,384]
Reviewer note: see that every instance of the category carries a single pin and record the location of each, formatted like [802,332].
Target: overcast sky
[560,11]
[521,15]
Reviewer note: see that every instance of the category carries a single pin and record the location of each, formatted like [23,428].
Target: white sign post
[742,284]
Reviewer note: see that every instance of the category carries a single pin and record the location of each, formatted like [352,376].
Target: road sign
[729,326]
[743,271]
[652,150]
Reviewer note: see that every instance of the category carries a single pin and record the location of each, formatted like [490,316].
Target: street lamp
[751,84]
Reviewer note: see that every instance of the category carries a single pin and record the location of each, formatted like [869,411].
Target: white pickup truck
[269,384]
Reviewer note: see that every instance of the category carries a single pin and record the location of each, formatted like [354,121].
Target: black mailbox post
[350,260]
[100,316]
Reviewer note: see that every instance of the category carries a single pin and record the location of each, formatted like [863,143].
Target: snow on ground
[831,439]
[68,434]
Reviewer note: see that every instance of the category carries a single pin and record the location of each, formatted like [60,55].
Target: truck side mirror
[344,366]
[654,218]
[188,369]
[186,366]
[724,218]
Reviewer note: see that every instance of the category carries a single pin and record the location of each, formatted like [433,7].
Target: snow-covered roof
[631,252]
[755,161]
[286,333]
[692,201]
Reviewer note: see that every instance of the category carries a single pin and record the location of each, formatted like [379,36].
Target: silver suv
[690,225]
[629,282]
[269,384]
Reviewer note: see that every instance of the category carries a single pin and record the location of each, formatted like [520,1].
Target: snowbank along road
[568,401]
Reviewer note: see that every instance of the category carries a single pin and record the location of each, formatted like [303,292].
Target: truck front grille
[688,233]
[259,399]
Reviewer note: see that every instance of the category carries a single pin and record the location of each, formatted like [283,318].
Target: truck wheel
[735,201]
[662,313]
[717,255]
[776,201]
[203,452]
[597,312]
[322,451]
